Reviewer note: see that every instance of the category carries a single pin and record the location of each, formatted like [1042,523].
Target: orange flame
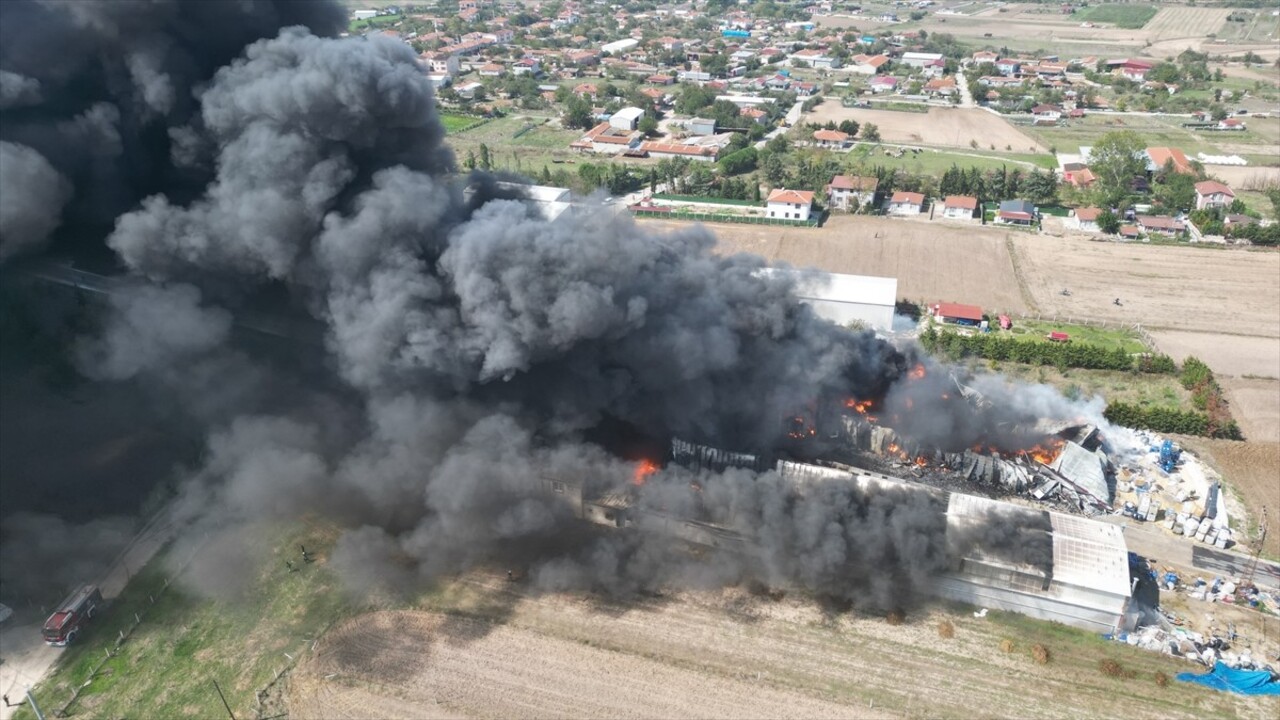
[1045,455]
[921,461]
[644,469]
[859,406]
[917,372]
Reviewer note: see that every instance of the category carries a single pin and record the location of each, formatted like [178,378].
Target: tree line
[955,345]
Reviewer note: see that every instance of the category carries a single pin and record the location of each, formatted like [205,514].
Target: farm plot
[499,649]
[932,261]
[1131,17]
[1181,22]
[1190,289]
[946,127]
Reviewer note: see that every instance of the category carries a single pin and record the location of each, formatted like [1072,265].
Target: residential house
[786,204]
[1159,157]
[1231,124]
[1016,212]
[957,314]
[883,83]
[1130,232]
[582,58]
[469,90]
[934,68]
[439,63]
[755,115]
[1135,70]
[671,44]
[959,207]
[906,203]
[1046,114]
[1077,175]
[1159,224]
[944,87]
[491,70]
[660,79]
[984,56]
[867,64]
[526,66]
[1213,194]
[1087,219]
[586,90]
[831,139]
[1009,67]
[851,192]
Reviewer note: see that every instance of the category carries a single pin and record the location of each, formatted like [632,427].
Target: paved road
[25,659]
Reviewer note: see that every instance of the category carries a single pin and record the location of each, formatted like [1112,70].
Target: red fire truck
[66,623]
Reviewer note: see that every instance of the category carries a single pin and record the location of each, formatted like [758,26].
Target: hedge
[1035,352]
[1168,420]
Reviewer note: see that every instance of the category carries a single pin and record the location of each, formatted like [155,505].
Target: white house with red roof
[1213,194]
[784,204]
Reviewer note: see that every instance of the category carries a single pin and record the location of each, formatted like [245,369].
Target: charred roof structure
[1044,564]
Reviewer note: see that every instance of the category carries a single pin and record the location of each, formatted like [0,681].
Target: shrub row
[1034,352]
[1169,420]
[1206,393]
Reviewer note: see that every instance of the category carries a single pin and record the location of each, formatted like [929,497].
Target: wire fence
[724,218]
[124,635]
[1135,328]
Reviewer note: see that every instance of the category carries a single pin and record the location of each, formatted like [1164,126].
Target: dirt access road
[500,652]
[945,127]
[25,659]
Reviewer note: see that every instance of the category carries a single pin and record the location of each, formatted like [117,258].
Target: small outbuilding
[957,314]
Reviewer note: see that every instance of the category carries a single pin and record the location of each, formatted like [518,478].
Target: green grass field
[1155,132]
[166,668]
[1125,16]
[1105,337]
[459,123]
[935,163]
[1113,385]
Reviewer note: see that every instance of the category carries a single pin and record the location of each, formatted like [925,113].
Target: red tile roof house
[1160,224]
[831,138]
[906,203]
[959,207]
[1158,157]
[958,314]
[851,192]
[784,204]
[1087,219]
[1211,194]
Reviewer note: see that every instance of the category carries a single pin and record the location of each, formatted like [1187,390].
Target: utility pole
[1257,550]
[224,700]
[32,699]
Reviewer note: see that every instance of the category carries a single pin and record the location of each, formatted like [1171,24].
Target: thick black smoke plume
[246,165]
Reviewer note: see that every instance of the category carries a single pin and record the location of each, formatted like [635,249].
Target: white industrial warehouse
[847,299]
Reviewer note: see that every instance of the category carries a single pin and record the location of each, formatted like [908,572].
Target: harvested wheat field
[947,127]
[1255,404]
[1210,290]
[932,261]
[485,647]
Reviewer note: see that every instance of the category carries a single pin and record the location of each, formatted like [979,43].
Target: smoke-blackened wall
[230,157]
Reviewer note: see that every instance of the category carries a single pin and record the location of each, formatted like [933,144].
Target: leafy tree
[577,113]
[1116,159]
[849,127]
[470,162]
[693,98]
[1041,187]
[648,125]
[742,161]
[717,65]
[870,133]
[778,144]
[486,163]
[1108,222]
[1273,194]
[774,169]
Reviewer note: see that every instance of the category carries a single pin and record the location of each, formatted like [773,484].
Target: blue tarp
[1245,682]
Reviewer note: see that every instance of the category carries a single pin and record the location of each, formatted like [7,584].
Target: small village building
[851,192]
[959,207]
[1087,219]
[833,139]
[784,204]
[906,203]
[1213,194]
[957,314]
[1016,212]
